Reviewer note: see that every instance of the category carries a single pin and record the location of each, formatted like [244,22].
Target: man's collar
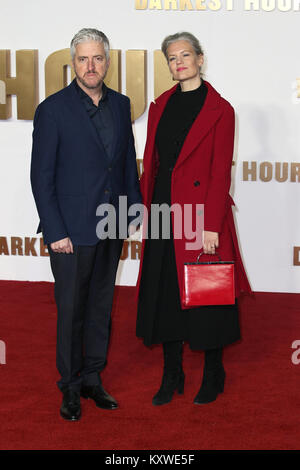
[84,95]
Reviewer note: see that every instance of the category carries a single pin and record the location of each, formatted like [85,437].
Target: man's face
[90,64]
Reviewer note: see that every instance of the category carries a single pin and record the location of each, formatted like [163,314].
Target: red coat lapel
[208,116]
[205,120]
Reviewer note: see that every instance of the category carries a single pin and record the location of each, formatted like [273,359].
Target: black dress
[160,317]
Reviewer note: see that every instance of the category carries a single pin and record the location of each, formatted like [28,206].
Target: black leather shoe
[70,408]
[100,397]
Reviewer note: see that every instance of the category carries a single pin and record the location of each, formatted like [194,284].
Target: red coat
[205,158]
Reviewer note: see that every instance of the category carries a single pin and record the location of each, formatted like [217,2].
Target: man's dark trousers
[84,287]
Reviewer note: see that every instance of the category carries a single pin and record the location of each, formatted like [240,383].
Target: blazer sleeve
[43,167]
[218,200]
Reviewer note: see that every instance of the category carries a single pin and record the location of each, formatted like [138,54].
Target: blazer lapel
[205,120]
[116,122]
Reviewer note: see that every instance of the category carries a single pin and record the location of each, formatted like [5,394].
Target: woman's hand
[210,242]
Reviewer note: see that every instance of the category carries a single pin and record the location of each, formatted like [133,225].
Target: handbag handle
[215,254]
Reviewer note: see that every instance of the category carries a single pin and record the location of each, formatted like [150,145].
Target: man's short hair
[89,34]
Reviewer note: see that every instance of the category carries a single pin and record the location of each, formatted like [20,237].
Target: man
[83,155]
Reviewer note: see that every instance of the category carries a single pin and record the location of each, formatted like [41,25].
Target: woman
[187,160]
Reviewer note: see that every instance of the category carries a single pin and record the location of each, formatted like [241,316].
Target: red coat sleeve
[218,200]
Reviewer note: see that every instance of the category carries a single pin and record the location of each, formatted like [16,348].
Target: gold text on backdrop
[17,246]
[270,171]
[131,250]
[57,66]
[189,5]
[296,261]
[24,85]
[216,5]
[2,92]
[272,5]
[298,87]
[28,246]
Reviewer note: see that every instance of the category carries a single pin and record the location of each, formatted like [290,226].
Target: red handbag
[208,283]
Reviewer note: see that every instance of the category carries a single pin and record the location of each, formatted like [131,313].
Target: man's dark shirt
[101,117]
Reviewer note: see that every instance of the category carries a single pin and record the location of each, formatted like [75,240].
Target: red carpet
[260,407]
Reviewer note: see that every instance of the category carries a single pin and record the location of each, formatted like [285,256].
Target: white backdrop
[251,57]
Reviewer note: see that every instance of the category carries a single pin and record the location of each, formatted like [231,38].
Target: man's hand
[62,246]
[210,242]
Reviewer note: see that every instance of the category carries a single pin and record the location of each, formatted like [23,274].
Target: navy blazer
[70,172]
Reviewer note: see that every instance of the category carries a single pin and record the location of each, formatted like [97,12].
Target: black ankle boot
[213,377]
[173,376]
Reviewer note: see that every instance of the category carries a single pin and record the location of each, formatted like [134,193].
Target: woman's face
[183,62]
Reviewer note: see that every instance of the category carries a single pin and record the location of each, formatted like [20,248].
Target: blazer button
[109,168]
[196,183]
[106,191]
